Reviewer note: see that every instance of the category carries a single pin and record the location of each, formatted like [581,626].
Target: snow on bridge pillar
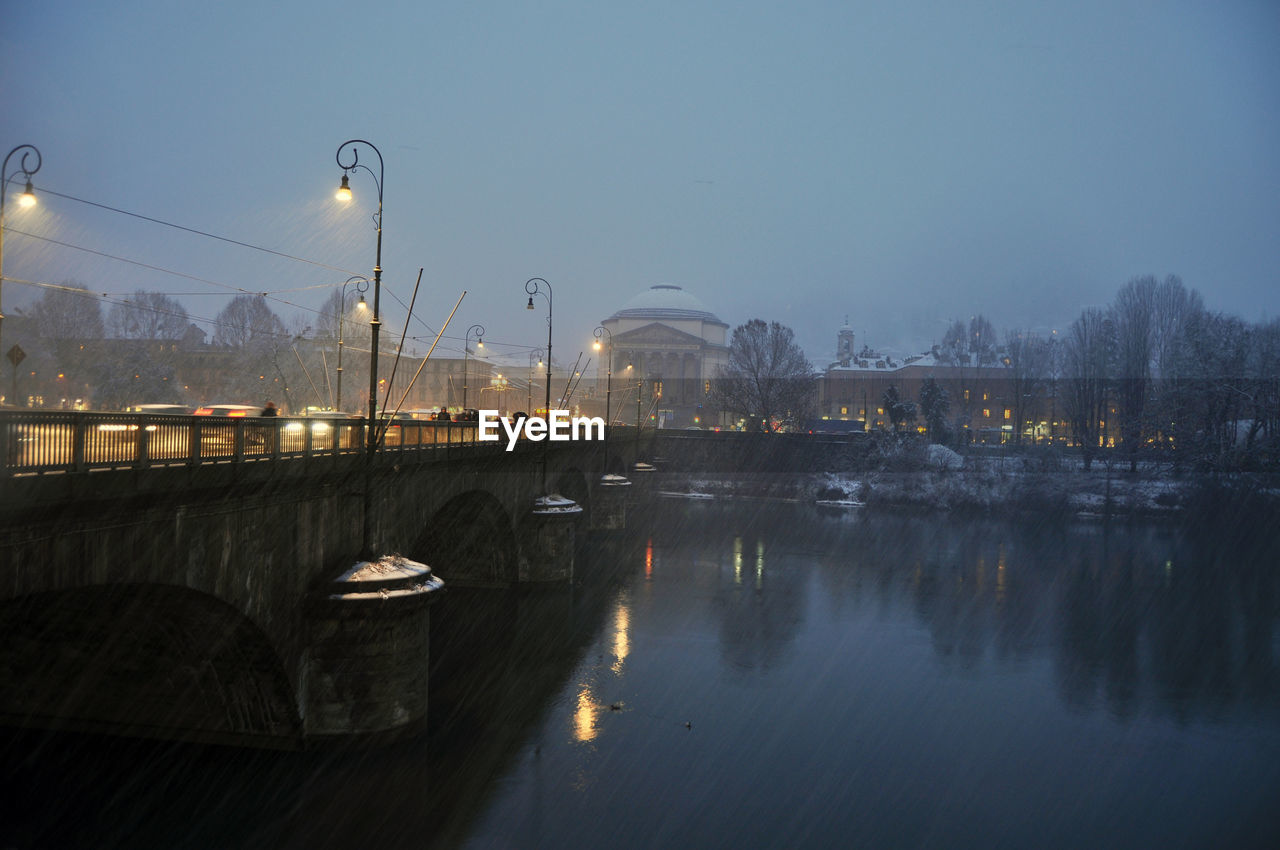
[547,540]
[366,667]
[609,507]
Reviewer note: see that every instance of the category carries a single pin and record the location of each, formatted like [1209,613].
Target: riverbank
[991,488]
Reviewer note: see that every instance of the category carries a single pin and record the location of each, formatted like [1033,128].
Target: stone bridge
[215,601]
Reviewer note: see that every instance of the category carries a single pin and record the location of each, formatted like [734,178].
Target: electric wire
[197,232]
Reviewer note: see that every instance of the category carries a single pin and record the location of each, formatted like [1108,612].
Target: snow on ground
[946,481]
[941,457]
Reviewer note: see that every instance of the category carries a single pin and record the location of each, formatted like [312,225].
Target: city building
[982,403]
[668,339]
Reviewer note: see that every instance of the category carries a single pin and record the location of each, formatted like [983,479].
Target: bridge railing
[60,441]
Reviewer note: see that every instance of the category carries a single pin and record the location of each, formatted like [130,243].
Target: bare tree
[68,319]
[1027,357]
[1212,389]
[1088,354]
[1264,389]
[355,321]
[147,315]
[954,350]
[254,334]
[767,380]
[1133,317]
[68,313]
[982,340]
[1175,308]
[248,323]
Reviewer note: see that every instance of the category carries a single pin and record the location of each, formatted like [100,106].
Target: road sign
[16,355]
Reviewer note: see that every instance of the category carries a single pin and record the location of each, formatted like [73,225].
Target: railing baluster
[78,437]
[143,443]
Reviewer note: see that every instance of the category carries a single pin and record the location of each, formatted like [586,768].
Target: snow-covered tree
[935,404]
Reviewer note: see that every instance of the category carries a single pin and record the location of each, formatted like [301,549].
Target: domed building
[667,337]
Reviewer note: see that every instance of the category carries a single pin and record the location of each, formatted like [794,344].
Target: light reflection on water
[770,676]
[906,681]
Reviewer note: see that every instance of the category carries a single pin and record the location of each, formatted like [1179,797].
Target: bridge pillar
[547,540]
[366,667]
[642,480]
[609,507]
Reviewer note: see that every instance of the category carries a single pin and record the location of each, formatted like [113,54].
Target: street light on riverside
[26,199]
[344,194]
[362,285]
[608,388]
[478,330]
[535,286]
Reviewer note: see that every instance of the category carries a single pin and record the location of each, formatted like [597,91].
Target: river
[764,675]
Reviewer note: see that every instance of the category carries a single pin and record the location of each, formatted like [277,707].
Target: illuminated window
[984,396]
[966,395]
[1007,413]
[880,410]
[844,411]
[986,413]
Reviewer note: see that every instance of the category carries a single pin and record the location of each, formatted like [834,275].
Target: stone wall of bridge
[216,563]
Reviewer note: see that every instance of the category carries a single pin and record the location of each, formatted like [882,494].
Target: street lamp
[639,392]
[344,194]
[608,390]
[478,330]
[362,285]
[26,199]
[535,286]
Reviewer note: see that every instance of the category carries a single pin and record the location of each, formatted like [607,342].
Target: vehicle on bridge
[228,410]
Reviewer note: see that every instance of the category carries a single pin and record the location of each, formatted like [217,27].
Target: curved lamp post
[362,285]
[535,286]
[639,393]
[26,199]
[344,194]
[608,389]
[478,330]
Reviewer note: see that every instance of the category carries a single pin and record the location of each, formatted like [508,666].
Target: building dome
[665,301]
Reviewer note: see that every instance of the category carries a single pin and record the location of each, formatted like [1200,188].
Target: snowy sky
[905,163]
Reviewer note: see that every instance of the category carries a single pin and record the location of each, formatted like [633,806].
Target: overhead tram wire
[198,232]
[228,240]
[267,294]
[110,299]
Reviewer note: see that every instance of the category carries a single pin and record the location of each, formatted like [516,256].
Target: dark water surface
[770,676]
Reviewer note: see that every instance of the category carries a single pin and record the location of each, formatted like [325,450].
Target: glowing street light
[26,199]
[608,389]
[535,286]
[344,194]
[478,330]
[362,284]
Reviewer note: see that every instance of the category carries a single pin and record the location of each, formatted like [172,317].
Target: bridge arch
[470,539]
[143,659]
